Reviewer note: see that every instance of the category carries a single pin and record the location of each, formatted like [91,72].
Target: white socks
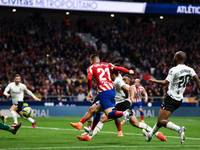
[97,128]
[172,126]
[144,126]
[155,129]
[29,119]
[14,115]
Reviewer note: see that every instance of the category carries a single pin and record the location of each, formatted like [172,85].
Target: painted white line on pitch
[176,137]
[95,147]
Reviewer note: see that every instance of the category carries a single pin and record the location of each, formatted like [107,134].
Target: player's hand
[132,99]
[151,79]
[146,100]
[131,72]
[89,97]
[8,95]
[37,99]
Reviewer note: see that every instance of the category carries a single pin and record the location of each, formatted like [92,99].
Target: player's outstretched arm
[162,82]
[197,81]
[123,70]
[37,99]
[32,95]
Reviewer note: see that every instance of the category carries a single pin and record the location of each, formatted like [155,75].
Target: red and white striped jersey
[139,92]
[102,74]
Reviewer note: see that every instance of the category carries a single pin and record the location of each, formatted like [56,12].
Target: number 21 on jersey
[104,74]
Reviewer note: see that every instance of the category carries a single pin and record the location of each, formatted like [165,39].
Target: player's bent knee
[92,109]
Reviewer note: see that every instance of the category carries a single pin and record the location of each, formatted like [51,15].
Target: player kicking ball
[16,90]
[177,79]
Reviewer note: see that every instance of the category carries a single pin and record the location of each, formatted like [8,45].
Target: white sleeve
[170,75]
[7,89]
[29,92]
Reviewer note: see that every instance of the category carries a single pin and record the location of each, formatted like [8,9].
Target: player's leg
[90,131]
[132,106]
[19,111]
[97,117]
[136,123]
[3,118]
[106,103]
[13,112]
[141,111]
[86,117]
[9,128]
[100,124]
[119,127]
[27,118]
[166,109]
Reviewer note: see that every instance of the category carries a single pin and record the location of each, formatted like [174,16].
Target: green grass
[56,133]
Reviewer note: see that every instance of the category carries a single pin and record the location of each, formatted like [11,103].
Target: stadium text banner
[80,5]
[172,9]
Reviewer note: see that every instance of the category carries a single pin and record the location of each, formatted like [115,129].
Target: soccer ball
[27,111]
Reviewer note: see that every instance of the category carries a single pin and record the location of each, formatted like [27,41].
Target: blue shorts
[138,104]
[106,99]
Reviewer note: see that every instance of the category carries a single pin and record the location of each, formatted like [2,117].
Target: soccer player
[123,102]
[16,90]
[139,91]
[3,118]
[13,130]
[101,72]
[177,79]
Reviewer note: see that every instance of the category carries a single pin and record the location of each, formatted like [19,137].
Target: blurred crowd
[52,60]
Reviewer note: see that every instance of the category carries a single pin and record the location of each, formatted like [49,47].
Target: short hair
[181,56]
[127,75]
[17,75]
[94,57]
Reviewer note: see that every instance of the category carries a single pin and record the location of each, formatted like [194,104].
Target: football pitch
[56,133]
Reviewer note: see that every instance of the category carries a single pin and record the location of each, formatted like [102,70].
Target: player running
[16,90]
[123,102]
[139,91]
[177,80]
[101,72]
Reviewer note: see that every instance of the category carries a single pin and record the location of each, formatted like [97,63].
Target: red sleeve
[89,77]
[115,68]
[89,84]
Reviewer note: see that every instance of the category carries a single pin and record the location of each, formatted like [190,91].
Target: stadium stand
[52,59]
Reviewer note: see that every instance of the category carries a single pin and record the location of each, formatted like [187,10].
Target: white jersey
[17,92]
[178,78]
[120,95]
[138,93]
